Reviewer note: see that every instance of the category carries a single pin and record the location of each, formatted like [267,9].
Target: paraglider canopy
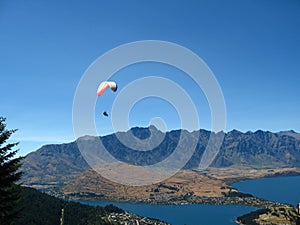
[107,84]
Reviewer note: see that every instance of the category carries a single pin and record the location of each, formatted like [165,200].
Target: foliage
[76,213]
[9,176]
[40,208]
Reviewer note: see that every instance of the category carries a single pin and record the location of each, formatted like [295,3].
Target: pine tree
[9,176]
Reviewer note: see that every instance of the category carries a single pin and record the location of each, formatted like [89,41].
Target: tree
[9,176]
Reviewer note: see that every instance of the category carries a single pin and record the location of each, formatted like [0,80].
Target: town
[131,219]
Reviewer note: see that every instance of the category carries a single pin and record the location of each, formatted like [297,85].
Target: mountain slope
[53,164]
[261,149]
[59,164]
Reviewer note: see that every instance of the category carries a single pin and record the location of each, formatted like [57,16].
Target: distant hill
[61,163]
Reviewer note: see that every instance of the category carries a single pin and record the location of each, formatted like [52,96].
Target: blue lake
[184,214]
[281,189]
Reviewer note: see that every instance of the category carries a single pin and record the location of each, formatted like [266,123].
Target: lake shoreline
[240,198]
[235,197]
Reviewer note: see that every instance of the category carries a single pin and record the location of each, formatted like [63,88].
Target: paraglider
[107,84]
[102,88]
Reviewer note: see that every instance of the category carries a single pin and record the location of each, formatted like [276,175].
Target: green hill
[39,208]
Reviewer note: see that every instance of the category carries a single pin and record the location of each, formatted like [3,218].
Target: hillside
[272,216]
[53,165]
[92,185]
[39,208]
[59,164]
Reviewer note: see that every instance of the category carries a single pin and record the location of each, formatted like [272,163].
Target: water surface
[189,214]
[279,189]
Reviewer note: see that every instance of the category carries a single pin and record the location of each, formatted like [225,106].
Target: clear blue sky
[252,46]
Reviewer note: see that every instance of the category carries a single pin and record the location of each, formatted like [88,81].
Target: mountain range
[57,164]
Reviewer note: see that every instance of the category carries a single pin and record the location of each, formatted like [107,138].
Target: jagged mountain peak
[61,162]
